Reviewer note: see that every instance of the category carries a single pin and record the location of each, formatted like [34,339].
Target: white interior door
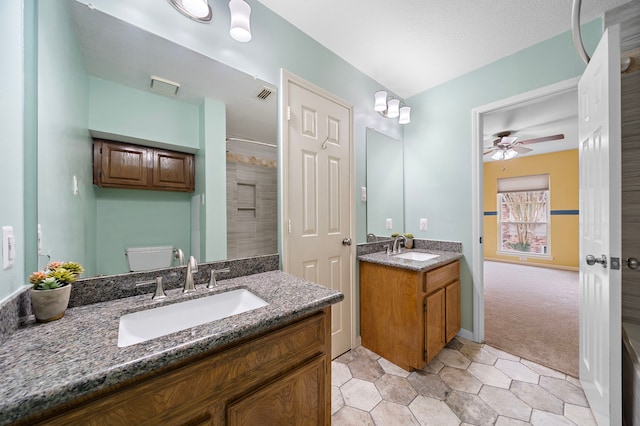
[318,206]
[600,235]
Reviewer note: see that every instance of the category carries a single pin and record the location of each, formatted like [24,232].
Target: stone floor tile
[391,368]
[366,369]
[537,397]
[454,344]
[471,408]
[542,418]
[489,375]
[564,390]
[460,380]
[452,358]
[467,342]
[542,370]
[506,421]
[478,354]
[388,413]
[574,381]
[360,394]
[362,352]
[505,403]
[349,416]
[395,389]
[517,371]
[434,366]
[501,354]
[346,357]
[337,402]
[428,384]
[340,374]
[431,412]
[579,415]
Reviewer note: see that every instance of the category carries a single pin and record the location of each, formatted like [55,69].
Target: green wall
[12,172]
[438,180]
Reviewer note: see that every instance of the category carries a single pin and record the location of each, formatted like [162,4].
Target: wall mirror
[385,185]
[94,81]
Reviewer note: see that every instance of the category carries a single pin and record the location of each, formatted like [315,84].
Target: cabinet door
[173,170]
[122,165]
[297,398]
[434,323]
[452,298]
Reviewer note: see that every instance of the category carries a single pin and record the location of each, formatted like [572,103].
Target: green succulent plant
[55,275]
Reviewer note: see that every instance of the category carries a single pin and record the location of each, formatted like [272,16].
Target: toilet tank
[146,258]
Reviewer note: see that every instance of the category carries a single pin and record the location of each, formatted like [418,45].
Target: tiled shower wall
[628,16]
[252,204]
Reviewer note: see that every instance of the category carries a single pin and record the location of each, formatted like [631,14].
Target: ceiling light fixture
[391,107]
[504,154]
[240,20]
[198,10]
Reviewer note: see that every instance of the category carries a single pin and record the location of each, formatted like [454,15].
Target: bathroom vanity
[409,309]
[271,365]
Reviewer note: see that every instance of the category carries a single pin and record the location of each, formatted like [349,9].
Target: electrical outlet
[423,224]
[389,223]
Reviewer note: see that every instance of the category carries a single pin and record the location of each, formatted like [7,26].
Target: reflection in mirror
[385,185]
[94,81]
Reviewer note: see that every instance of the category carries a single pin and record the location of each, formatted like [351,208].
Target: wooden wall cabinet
[282,377]
[406,316]
[122,165]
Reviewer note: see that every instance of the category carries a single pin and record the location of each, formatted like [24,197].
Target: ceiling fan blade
[489,151]
[520,149]
[543,139]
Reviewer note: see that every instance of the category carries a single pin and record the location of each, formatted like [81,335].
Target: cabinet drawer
[438,278]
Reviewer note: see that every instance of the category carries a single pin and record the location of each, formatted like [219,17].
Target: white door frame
[477,197]
[287,77]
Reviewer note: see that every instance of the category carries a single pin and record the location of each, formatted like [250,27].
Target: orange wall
[562,168]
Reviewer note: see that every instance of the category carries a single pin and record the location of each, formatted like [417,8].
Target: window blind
[524,183]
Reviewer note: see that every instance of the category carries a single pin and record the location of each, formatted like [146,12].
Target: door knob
[632,263]
[346,242]
[592,260]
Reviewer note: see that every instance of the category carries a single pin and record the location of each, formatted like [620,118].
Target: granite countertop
[44,365]
[444,257]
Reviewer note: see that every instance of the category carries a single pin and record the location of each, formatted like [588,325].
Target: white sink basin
[140,326]
[416,255]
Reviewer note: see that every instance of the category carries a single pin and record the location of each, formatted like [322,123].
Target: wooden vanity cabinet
[281,377]
[122,165]
[406,316]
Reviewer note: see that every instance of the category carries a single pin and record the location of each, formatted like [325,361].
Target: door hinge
[288,113]
[289,225]
[480,240]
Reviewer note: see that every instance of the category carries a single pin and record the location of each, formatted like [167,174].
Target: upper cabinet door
[120,164]
[173,170]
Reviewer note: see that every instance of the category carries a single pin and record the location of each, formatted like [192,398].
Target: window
[523,215]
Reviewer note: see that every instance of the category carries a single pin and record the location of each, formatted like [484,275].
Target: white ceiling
[409,46]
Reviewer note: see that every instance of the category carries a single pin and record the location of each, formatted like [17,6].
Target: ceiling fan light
[510,153]
[240,20]
[405,115]
[380,102]
[393,109]
[498,155]
[197,8]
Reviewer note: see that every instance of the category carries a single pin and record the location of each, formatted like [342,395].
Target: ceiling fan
[507,146]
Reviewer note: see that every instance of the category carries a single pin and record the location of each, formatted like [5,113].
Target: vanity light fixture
[240,29]
[198,10]
[391,107]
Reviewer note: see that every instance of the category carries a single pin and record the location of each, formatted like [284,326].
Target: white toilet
[147,258]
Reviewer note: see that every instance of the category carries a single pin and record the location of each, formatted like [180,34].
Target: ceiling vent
[164,86]
[264,93]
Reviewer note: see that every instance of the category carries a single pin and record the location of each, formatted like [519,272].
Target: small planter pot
[50,305]
[409,243]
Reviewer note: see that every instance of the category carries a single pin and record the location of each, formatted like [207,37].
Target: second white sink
[145,325]
[416,255]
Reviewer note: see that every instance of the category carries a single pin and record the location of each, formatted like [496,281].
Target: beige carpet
[532,312]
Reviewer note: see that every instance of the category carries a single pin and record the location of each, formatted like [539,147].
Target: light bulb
[240,29]
[498,155]
[510,153]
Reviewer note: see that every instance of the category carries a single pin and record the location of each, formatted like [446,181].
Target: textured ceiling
[412,45]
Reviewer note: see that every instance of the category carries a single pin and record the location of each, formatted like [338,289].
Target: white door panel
[600,234]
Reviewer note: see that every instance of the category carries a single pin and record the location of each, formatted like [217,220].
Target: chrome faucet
[396,245]
[159,294]
[192,266]
[371,238]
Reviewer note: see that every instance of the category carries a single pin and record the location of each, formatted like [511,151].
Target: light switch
[8,247]
[389,223]
[39,239]
[363,193]
[423,224]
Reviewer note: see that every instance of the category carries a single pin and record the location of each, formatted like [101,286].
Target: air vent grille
[264,94]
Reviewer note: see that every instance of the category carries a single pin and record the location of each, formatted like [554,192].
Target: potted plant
[51,289]
[408,240]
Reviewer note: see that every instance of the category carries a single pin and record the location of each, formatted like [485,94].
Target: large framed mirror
[94,76]
[385,185]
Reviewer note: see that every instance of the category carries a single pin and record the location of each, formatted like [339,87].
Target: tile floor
[466,384]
